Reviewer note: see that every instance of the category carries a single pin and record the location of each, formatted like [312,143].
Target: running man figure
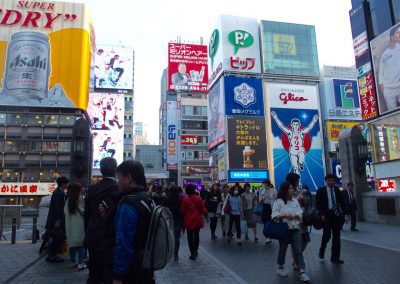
[296,136]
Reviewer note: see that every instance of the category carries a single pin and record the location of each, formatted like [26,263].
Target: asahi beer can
[27,66]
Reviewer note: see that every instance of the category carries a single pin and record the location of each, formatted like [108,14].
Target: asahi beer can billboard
[45,53]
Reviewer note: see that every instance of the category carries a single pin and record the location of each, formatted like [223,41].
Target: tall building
[151,158]
[183,115]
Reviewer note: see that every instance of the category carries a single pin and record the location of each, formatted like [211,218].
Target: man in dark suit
[55,224]
[98,194]
[332,210]
[349,199]
[180,78]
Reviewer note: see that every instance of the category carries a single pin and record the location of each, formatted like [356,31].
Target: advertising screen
[45,53]
[187,67]
[386,57]
[234,46]
[297,137]
[216,115]
[106,112]
[172,135]
[189,139]
[387,185]
[247,148]
[385,141]
[289,49]
[113,68]
[366,84]
[243,96]
[333,130]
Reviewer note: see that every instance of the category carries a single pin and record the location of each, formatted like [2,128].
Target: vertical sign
[172,135]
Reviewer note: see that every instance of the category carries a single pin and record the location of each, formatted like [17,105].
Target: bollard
[34,229]
[13,230]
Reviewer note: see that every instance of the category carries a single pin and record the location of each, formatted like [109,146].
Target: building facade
[151,157]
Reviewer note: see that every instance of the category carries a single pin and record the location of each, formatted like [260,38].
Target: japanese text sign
[23,188]
[189,139]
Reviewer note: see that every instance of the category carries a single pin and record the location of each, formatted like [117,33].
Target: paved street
[220,262]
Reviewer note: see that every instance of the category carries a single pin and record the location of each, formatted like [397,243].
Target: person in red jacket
[193,208]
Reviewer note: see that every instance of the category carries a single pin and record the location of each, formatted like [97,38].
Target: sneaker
[282,272]
[82,266]
[255,240]
[354,230]
[337,260]
[303,277]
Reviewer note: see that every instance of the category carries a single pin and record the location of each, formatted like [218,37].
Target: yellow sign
[45,53]
[284,44]
[334,129]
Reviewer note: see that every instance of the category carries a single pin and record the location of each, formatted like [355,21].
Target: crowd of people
[100,225]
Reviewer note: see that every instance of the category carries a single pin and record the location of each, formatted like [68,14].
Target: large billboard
[333,129]
[366,84]
[385,141]
[216,115]
[234,46]
[45,53]
[243,96]
[289,49]
[386,57]
[113,68]
[172,135]
[187,67]
[297,137]
[106,112]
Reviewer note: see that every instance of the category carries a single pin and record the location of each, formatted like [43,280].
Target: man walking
[348,197]
[332,211]
[98,194]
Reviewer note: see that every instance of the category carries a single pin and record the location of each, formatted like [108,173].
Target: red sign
[187,67]
[366,86]
[189,140]
[386,185]
[18,188]
[285,98]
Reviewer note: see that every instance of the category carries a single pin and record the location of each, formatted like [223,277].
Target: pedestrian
[351,204]
[55,224]
[235,203]
[158,195]
[224,217]
[213,199]
[248,200]
[74,225]
[332,210]
[287,209]
[173,202]
[267,198]
[306,193]
[193,208]
[101,193]
[128,225]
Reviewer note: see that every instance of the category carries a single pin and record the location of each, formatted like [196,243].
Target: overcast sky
[149,25]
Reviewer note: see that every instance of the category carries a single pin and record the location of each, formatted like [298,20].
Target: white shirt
[389,68]
[292,207]
[330,203]
[268,196]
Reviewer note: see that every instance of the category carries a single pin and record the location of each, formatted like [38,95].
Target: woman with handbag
[232,207]
[213,199]
[287,209]
[267,198]
[74,225]
[248,201]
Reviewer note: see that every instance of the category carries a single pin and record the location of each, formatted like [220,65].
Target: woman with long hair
[235,204]
[248,201]
[74,224]
[267,198]
[287,209]
[192,208]
[213,199]
[173,202]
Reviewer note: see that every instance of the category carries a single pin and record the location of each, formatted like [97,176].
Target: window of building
[194,124]
[64,147]
[3,118]
[128,98]
[16,119]
[31,175]
[49,146]
[51,119]
[67,120]
[10,175]
[13,146]
[35,119]
[33,146]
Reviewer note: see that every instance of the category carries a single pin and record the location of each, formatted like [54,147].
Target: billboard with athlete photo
[113,68]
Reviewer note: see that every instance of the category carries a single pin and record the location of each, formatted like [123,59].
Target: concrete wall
[370,210]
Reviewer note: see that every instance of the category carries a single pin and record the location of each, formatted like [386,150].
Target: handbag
[258,209]
[243,226]
[228,207]
[276,230]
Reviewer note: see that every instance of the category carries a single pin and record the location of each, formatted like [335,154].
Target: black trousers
[235,219]
[96,266]
[353,216]
[213,225]
[332,228]
[193,237]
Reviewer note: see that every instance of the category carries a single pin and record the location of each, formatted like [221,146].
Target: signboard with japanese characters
[339,72]
[172,135]
[247,147]
[385,141]
[189,140]
[243,96]
[387,185]
[26,188]
[234,46]
[333,129]
[216,115]
[187,67]
[340,99]
[366,84]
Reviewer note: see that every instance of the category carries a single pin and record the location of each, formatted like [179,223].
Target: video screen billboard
[366,84]
[385,141]
[297,137]
[106,112]
[187,67]
[113,68]
[216,115]
[247,148]
[386,57]
[45,53]
[243,96]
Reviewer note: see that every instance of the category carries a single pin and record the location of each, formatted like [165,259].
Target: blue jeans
[177,230]
[294,239]
[77,251]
